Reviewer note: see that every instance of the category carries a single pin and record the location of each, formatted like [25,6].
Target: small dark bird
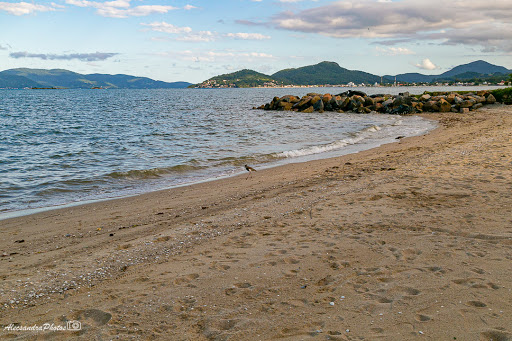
[250,170]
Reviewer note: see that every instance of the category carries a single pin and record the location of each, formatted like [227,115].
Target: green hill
[58,78]
[239,79]
[16,82]
[324,73]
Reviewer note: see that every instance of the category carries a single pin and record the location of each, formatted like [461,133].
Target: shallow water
[64,146]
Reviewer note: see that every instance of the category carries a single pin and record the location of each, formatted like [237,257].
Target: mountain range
[58,78]
[331,73]
[319,74]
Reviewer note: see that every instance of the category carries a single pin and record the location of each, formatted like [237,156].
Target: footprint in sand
[495,335]
[92,317]
[422,318]
[477,304]
[218,266]
[186,279]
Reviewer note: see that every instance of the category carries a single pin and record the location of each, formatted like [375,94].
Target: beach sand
[411,240]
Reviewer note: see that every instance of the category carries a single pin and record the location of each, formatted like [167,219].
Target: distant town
[224,84]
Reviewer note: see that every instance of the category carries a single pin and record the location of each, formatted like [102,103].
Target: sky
[193,40]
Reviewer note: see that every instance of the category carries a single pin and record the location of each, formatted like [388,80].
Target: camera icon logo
[74,325]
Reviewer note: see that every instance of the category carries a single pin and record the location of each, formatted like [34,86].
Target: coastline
[405,238]
[366,138]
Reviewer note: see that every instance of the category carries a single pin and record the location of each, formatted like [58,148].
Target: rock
[387,102]
[430,106]
[368,101]
[326,98]
[308,109]
[417,105]
[334,103]
[464,110]
[318,105]
[344,105]
[354,104]
[425,97]
[377,107]
[284,106]
[402,109]
[467,103]
[402,100]
[458,100]
[313,94]
[303,103]
[356,93]
[477,106]
[290,99]
[315,99]
[479,99]
[490,99]
[444,105]
[451,98]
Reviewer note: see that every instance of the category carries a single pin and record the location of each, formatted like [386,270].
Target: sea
[66,147]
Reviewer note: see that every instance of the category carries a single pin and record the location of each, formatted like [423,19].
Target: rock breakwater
[402,104]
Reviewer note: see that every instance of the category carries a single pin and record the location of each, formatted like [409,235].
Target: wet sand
[409,240]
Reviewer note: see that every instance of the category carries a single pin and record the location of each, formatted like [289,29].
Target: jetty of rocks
[402,104]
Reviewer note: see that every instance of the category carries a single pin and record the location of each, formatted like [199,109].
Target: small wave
[357,137]
[152,173]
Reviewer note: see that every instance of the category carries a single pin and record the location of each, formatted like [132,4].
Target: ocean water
[62,147]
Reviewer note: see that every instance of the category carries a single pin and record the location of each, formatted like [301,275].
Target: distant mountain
[331,73]
[475,70]
[319,74]
[13,81]
[479,67]
[324,73]
[58,78]
[239,79]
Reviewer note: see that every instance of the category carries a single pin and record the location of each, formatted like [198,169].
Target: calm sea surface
[70,146]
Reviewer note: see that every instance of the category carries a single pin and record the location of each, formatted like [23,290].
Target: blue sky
[193,40]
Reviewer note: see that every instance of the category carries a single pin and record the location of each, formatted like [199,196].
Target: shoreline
[347,149]
[407,239]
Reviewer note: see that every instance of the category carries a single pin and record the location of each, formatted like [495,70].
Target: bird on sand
[250,170]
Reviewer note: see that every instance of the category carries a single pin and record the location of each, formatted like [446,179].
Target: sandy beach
[411,240]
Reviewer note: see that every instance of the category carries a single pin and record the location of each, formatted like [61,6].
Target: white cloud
[393,51]
[121,8]
[189,7]
[487,24]
[213,56]
[247,36]
[89,57]
[201,36]
[426,64]
[188,35]
[23,8]
[185,33]
[167,28]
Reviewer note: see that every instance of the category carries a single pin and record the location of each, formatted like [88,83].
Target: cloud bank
[486,24]
[88,57]
[218,56]
[188,35]
[123,8]
[24,8]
